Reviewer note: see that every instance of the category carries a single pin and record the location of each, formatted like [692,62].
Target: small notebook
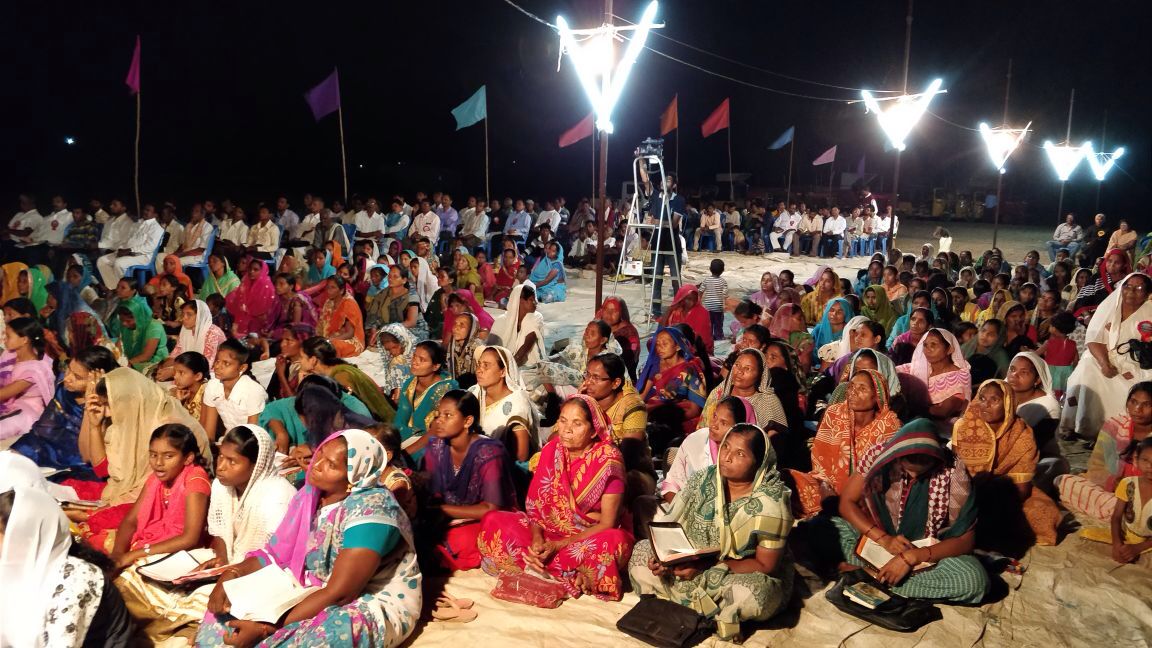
[174,567]
[866,594]
[877,556]
[67,495]
[673,547]
[265,595]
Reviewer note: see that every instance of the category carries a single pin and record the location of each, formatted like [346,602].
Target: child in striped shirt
[713,293]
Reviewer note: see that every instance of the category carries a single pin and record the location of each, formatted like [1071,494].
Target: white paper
[169,567]
[265,595]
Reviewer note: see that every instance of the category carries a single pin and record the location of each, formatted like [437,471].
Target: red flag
[133,78]
[670,118]
[580,131]
[717,121]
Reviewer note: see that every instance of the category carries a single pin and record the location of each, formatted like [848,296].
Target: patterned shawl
[838,444]
[1009,450]
[476,481]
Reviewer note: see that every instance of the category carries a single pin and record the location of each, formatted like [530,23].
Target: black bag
[1139,350]
[665,624]
[897,613]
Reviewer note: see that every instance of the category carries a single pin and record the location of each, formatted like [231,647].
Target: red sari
[563,499]
[505,278]
[695,317]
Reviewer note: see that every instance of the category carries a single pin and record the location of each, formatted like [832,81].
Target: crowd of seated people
[331,397]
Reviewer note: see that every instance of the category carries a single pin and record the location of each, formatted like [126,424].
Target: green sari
[147,328]
[284,410]
[365,389]
[38,279]
[222,286]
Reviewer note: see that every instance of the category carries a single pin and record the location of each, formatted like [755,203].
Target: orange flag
[717,121]
[670,119]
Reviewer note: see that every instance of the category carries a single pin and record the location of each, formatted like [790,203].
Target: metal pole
[1100,183]
[791,154]
[731,181]
[1000,175]
[602,211]
[1067,139]
[907,58]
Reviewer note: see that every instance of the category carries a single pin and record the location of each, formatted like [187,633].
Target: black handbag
[665,624]
[897,613]
[1139,350]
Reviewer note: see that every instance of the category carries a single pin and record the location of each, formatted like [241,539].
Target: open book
[67,495]
[180,567]
[877,556]
[265,595]
[673,547]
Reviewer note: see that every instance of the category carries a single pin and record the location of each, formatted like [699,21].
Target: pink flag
[826,157]
[580,131]
[133,78]
[324,98]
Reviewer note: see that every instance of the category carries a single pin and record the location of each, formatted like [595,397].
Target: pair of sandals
[453,610]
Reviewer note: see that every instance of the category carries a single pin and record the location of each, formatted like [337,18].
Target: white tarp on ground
[1071,595]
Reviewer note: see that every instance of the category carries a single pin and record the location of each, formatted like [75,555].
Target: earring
[349,488]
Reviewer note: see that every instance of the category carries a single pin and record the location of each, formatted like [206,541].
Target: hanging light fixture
[1064,158]
[902,114]
[1002,142]
[1102,162]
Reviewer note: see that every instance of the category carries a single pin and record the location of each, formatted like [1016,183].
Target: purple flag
[324,99]
[860,165]
[133,78]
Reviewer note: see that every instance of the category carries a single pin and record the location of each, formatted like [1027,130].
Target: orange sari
[335,314]
[838,446]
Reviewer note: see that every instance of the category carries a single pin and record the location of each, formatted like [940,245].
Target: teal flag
[472,110]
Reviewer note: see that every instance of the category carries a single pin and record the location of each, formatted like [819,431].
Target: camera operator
[670,237]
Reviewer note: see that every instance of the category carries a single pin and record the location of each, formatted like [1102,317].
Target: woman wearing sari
[469,475]
[290,308]
[827,288]
[919,299]
[999,298]
[487,274]
[877,308]
[463,302]
[548,275]
[768,296]
[831,326]
[741,506]
[1112,269]
[506,412]
[573,527]
[563,372]
[247,501]
[395,345]
[1018,333]
[250,303]
[341,320]
[788,325]
[12,279]
[847,431]
[121,413]
[389,305]
[939,367]
[462,345]
[320,357]
[687,309]
[221,280]
[346,535]
[421,393]
[173,266]
[506,276]
[319,267]
[912,488]
[1000,454]
[1113,458]
[142,336]
[38,278]
[750,378]
[520,329]
[53,440]
[467,277]
[672,386]
[1104,374]
[614,313]
[197,333]
[1036,404]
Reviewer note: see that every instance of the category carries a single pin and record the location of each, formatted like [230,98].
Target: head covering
[32,557]
[374,289]
[12,279]
[600,423]
[767,405]
[477,309]
[822,333]
[881,386]
[38,279]
[781,325]
[222,285]
[884,367]
[17,471]
[138,406]
[133,339]
[316,275]
[366,461]
[245,521]
[1105,278]
[1105,324]
[462,356]
[511,370]
[253,299]
[815,278]
[846,334]
[546,264]
[920,366]
[503,330]
[180,275]
[1040,367]
[976,443]
[883,312]
[652,364]
[425,284]
[193,340]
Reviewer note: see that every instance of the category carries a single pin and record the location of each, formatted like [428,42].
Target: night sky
[223,113]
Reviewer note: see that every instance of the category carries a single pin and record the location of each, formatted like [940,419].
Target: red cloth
[696,317]
[582,130]
[670,118]
[158,522]
[458,552]
[717,121]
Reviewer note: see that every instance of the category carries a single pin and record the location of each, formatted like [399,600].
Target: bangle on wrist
[904,557]
[868,531]
[929,548]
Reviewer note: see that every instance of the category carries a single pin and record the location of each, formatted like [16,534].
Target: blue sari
[555,290]
[822,333]
[414,413]
[52,441]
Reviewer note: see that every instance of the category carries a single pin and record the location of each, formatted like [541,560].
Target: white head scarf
[194,340]
[503,331]
[1046,406]
[1104,327]
[245,522]
[425,284]
[35,547]
[16,471]
[846,339]
[920,366]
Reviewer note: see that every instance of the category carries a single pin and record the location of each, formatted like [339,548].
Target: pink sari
[564,500]
[159,520]
[252,301]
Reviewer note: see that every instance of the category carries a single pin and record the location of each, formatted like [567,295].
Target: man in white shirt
[49,234]
[300,238]
[426,224]
[96,209]
[138,249]
[867,232]
[264,236]
[197,234]
[173,229]
[809,232]
[549,217]
[117,229]
[22,226]
[475,224]
[783,231]
[285,217]
[233,236]
[370,223]
[882,226]
[834,227]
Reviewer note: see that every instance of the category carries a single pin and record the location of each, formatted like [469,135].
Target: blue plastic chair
[143,271]
[350,231]
[203,265]
[276,256]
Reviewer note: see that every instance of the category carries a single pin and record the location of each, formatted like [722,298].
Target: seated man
[137,249]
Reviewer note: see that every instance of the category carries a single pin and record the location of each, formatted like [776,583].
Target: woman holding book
[739,506]
[346,536]
[248,500]
[911,489]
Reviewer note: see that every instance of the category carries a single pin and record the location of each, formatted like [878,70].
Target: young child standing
[1060,351]
[714,293]
[172,510]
